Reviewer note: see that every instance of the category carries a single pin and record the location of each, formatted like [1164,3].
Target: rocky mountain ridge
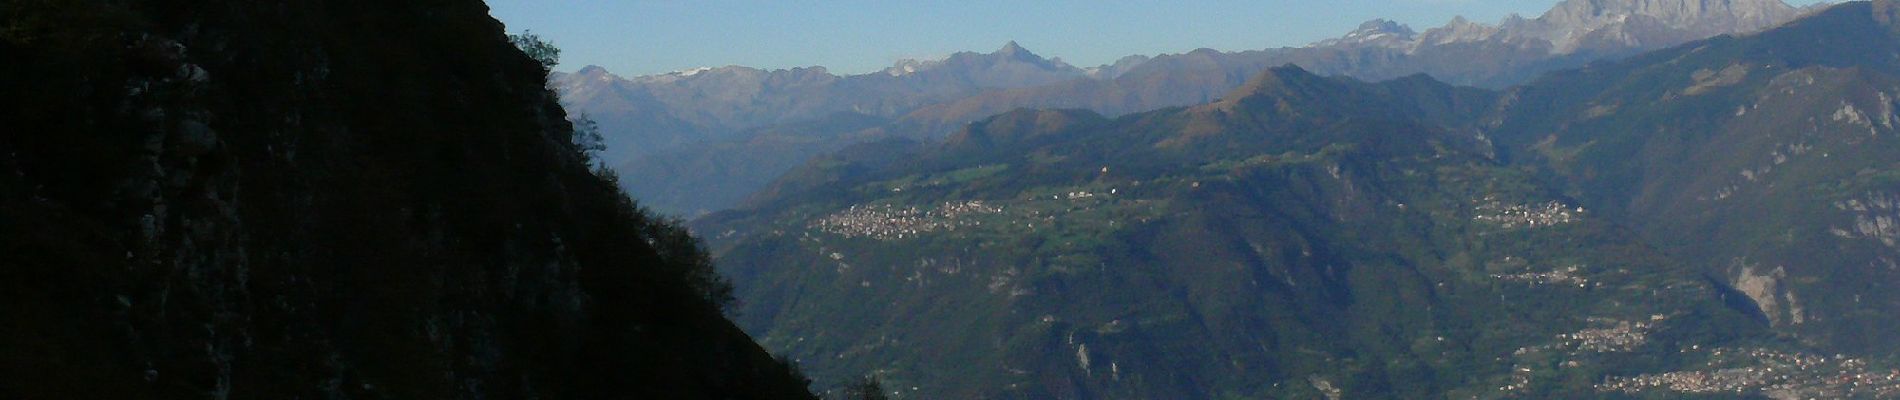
[1462,52]
[644,114]
[1574,26]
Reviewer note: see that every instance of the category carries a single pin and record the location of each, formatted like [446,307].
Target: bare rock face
[1376,33]
[1713,16]
[1765,289]
[1460,30]
[1584,25]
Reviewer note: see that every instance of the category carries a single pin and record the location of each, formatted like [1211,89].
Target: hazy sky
[639,37]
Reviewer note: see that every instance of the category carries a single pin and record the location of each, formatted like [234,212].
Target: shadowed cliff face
[327,199]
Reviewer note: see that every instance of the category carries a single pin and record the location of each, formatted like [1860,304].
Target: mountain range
[709,104]
[1710,220]
[663,129]
[349,199]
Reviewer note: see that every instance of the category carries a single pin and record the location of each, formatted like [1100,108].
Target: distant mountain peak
[1018,125]
[1576,25]
[1458,30]
[1277,81]
[1121,66]
[1568,24]
[589,77]
[1378,32]
[1015,52]
[1012,56]
[1383,25]
[1662,8]
[909,66]
[1288,70]
[1012,49]
[595,73]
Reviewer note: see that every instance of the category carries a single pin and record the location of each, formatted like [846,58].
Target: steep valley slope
[1311,235]
[1765,159]
[327,199]
[1712,220]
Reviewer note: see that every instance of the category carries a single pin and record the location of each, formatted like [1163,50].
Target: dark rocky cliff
[327,199]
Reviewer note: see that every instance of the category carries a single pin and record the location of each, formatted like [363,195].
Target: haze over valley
[685,131]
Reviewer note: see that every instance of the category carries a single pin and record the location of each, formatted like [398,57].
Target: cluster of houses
[1773,374]
[887,222]
[1509,216]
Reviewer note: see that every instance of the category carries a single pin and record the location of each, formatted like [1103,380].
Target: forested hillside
[1714,220]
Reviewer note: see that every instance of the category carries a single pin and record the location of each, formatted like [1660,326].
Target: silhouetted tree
[587,138]
[791,367]
[686,256]
[538,49]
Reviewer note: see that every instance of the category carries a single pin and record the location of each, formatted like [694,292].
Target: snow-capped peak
[910,66]
[1378,32]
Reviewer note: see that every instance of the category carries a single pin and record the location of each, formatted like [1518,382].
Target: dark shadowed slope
[327,199]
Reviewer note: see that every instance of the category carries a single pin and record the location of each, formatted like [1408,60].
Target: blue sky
[639,37]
